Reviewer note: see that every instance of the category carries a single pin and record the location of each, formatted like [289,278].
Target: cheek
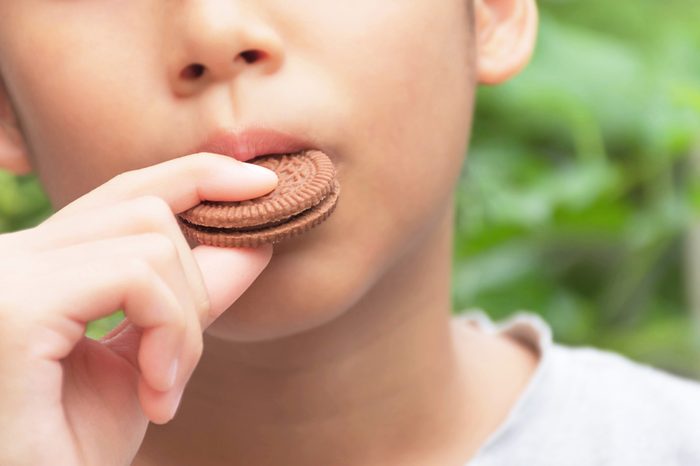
[77,94]
[414,95]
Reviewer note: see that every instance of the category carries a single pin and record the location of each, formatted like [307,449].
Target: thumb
[227,273]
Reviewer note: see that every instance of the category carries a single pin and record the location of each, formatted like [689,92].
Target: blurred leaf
[584,176]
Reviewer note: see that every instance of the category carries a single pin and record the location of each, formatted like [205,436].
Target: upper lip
[252,143]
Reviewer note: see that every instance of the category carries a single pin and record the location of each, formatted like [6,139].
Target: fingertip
[264,174]
[238,181]
[159,407]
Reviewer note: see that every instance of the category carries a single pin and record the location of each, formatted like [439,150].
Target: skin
[342,350]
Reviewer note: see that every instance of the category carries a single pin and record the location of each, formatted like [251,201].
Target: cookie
[305,196]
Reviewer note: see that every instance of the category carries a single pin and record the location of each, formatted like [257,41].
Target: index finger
[182,183]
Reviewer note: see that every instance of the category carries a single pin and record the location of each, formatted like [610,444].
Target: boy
[336,348]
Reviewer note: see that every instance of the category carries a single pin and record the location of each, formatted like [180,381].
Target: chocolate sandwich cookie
[305,196]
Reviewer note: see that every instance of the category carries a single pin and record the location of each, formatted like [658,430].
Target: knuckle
[202,163]
[160,246]
[144,277]
[154,212]
[140,272]
[124,182]
[176,322]
[154,203]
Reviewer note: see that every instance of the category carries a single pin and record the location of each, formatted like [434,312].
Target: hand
[68,400]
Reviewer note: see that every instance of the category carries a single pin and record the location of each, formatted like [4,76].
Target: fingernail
[172,373]
[170,347]
[258,171]
[248,171]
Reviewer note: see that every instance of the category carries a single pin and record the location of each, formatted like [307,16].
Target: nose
[217,40]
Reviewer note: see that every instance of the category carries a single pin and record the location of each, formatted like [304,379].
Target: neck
[384,378]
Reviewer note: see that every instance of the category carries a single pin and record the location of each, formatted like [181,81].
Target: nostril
[251,56]
[196,70]
[192,71]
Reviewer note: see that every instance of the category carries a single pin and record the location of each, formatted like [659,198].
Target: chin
[306,285]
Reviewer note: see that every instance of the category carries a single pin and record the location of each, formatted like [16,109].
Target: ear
[506,31]
[13,150]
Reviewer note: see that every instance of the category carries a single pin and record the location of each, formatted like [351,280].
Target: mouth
[253,142]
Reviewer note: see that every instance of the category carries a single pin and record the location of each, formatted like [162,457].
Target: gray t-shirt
[588,407]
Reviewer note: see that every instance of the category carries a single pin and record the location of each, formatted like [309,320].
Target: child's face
[385,88]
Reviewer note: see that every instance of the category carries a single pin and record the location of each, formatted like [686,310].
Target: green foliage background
[579,200]
[581,190]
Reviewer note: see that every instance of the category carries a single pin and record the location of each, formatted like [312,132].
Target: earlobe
[13,151]
[506,31]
